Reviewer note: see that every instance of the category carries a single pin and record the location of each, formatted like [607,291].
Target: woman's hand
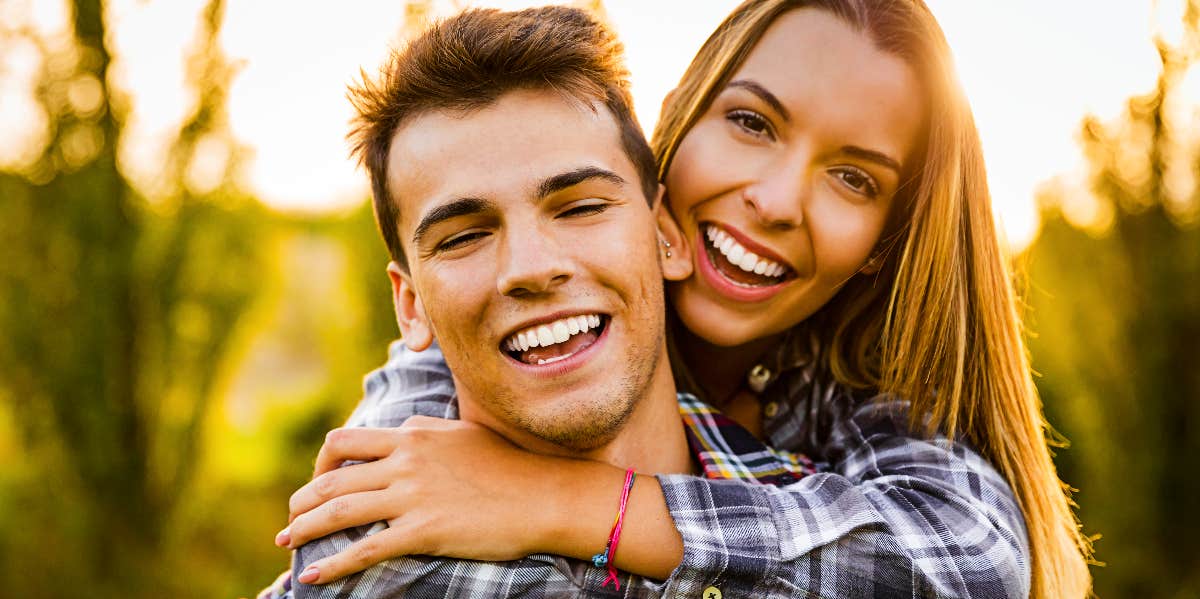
[446,487]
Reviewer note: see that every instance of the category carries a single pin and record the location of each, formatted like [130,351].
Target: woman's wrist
[579,502]
[581,499]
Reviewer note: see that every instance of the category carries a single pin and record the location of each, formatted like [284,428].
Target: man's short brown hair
[468,62]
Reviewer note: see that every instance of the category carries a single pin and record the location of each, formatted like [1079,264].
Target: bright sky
[1031,68]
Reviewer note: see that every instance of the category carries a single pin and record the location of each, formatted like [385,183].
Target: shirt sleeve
[894,516]
[411,383]
[416,576]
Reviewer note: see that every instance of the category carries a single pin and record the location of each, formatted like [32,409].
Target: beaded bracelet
[606,557]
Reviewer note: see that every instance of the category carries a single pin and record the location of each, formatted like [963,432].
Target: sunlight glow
[1031,69]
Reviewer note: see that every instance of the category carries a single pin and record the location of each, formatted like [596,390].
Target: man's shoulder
[411,383]
[533,576]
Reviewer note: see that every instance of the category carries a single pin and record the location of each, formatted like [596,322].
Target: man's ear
[410,312]
[673,251]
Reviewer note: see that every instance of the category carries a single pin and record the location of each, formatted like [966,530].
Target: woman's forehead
[824,73]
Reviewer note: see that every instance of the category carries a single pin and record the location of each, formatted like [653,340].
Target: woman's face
[783,187]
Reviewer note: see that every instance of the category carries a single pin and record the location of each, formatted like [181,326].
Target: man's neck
[651,440]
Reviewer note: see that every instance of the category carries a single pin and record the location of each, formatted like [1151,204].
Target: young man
[516,194]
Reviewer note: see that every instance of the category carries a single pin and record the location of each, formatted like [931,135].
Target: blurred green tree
[174,352]
[116,313]
[1115,302]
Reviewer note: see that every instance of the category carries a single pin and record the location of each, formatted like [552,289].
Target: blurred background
[191,285]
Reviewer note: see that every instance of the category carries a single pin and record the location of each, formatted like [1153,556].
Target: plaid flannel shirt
[886,515]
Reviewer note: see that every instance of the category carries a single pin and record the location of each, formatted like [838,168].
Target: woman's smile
[737,268]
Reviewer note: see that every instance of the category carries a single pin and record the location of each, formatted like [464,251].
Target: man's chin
[577,426]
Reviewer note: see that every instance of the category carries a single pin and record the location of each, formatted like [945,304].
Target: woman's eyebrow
[877,157]
[757,89]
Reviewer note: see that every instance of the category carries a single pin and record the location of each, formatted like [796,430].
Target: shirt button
[711,593]
[771,409]
[758,377]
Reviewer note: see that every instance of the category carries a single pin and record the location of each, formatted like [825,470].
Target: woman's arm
[895,510]
[558,493]
[456,489]
[894,516]
[900,516]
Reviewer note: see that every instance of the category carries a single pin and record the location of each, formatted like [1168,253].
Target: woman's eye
[459,240]
[751,122]
[858,181]
[584,210]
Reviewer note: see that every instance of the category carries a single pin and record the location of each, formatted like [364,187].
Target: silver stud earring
[666,244]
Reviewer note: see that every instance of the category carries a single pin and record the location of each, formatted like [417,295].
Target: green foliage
[170,364]
[1116,305]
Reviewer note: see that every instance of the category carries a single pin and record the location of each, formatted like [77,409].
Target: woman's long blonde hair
[939,324]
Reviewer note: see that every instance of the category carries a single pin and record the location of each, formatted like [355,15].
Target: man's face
[532,261]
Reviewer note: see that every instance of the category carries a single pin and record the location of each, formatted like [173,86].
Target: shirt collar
[725,450]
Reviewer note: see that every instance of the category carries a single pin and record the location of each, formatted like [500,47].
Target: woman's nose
[777,199]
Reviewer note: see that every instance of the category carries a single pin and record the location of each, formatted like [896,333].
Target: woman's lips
[735,258]
[747,244]
[749,279]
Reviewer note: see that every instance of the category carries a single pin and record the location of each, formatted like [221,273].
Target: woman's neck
[720,371]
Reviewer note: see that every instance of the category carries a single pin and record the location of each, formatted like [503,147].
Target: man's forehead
[502,151]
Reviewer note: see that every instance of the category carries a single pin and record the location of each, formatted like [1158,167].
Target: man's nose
[531,262]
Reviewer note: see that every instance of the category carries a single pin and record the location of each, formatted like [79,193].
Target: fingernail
[310,574]
[284,537]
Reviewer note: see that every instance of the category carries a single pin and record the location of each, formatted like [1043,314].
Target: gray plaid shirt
[886,515]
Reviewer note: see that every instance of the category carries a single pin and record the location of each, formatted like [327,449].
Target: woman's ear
[410,312]
[674,252]
[667,99]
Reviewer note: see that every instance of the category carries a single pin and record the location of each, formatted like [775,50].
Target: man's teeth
[551,333]
[742,257]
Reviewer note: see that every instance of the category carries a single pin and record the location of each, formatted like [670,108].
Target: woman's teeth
[740,256]
[552,333]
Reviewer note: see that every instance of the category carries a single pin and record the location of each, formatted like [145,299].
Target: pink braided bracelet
[606,557]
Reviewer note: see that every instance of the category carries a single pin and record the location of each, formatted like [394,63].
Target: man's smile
[555,340]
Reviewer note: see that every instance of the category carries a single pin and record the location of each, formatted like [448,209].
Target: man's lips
[554,339]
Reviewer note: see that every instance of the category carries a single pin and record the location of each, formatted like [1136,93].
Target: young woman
[850,300]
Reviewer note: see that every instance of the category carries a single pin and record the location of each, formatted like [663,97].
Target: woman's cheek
[843,235]
[707,166]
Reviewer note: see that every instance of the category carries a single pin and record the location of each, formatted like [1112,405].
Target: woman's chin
[716,326]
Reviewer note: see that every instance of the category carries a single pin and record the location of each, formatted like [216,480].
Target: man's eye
[751,122]
[858,181]
[459,240]
[584,210]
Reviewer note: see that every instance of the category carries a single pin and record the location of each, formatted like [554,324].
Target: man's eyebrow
[449,210]
[572,178]
[876,157]
[757,89]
